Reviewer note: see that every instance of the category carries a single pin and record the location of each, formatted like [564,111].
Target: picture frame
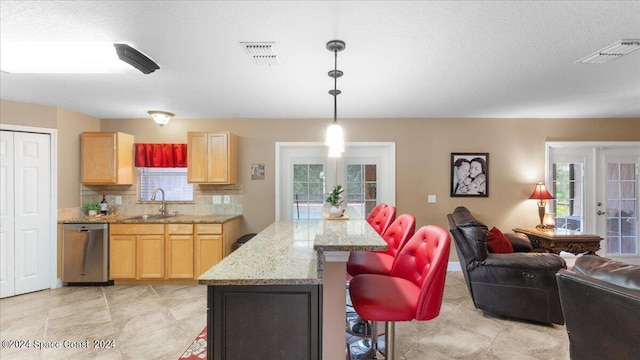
[469,174]
[257,171]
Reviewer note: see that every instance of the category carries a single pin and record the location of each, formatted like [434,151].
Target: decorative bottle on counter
[103,205]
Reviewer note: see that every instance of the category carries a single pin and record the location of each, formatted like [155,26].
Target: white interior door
[30,201]
[7,249]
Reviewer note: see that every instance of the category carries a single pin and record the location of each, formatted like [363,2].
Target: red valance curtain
[161,155]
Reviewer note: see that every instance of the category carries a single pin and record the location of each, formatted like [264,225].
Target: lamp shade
[541,193]
[335,136]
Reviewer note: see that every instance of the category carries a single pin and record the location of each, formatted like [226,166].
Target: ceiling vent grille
[262,53]
[612,52]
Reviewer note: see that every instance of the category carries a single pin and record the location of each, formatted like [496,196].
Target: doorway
[27,204]
[596,187]
[304,175]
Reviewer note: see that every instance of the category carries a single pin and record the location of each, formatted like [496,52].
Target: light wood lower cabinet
[136,251]
[122,256]
[168,251]
[209,246]
[180,251]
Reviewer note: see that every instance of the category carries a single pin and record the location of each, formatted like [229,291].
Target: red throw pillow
[497,242]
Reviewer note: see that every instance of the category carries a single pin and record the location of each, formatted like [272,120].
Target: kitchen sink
[151,217]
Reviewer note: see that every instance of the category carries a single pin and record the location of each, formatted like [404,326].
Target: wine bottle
[103,205]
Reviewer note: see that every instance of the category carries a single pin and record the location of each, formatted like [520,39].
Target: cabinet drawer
[136,229]
[209,228]
[180,228]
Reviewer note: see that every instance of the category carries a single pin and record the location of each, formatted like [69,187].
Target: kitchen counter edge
[178,219]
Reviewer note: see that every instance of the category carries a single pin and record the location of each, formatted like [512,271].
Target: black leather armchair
[601,304]
[519,285]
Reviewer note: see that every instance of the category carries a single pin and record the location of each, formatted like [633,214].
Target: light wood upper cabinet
[212,157]
[107,158]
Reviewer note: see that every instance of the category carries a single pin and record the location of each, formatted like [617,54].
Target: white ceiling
[404,59]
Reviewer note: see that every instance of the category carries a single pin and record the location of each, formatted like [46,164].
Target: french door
[596,188]
[304,175]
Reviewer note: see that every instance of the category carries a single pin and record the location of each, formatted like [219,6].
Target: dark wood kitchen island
[282,295]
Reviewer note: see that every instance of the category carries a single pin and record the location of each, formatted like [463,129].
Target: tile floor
[160,321]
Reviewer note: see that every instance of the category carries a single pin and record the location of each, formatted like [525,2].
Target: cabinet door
[180,257]
[208,252]
[150,256]
[218,158]
[122,257]
[98,153]
[106,158]
[197,157]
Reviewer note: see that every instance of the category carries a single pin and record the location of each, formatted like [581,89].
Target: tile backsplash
[202,204]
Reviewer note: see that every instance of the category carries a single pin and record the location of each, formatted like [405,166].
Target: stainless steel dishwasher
[85,254]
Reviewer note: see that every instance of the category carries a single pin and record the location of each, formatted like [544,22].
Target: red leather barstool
[375,211]
[414,290]
[381,262]
[384,218]
[377,262]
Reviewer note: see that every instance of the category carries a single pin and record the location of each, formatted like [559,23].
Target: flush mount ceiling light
[335,135]
[612,52]
[67,58]
[161,117]
[262,53]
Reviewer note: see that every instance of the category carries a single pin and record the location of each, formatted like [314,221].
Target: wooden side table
[556,240]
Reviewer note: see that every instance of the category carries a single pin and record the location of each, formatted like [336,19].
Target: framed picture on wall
[470,174]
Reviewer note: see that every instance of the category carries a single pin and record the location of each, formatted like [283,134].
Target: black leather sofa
[519,285]
[601,303]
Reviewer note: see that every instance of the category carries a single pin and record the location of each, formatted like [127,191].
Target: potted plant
[335,200]
[92,209]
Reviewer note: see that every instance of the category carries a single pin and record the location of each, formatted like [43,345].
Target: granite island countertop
[174,219]
[290,252]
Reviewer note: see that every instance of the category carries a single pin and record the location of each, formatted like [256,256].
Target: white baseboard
[454,266]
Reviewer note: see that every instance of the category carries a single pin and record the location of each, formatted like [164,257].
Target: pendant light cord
[335,88]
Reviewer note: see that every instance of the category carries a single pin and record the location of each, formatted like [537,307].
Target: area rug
[198,348]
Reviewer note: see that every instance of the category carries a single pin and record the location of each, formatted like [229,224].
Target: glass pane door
[362,187]
[304,175]
[568,188]
[308,191]
[621,200]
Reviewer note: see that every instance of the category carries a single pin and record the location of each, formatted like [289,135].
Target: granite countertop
[288,252]
[175,219]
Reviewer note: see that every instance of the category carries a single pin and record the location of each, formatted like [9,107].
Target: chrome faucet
[163,207]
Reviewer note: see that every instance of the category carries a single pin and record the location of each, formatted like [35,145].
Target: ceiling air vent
[612,52]
[262,53]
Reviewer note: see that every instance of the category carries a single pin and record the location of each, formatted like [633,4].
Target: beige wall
[17,113]
[423,146]
[423,151]
[69,125]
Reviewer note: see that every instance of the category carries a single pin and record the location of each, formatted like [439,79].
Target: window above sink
[172,180]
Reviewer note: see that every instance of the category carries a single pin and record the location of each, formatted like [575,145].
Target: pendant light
[335,135]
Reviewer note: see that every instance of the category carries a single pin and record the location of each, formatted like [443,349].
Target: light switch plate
[217,199]
[118,200]
[227,199]
[431,198]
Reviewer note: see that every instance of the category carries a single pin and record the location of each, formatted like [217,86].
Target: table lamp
[541,194]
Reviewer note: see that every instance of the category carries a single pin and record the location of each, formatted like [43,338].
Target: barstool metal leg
[390,337]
